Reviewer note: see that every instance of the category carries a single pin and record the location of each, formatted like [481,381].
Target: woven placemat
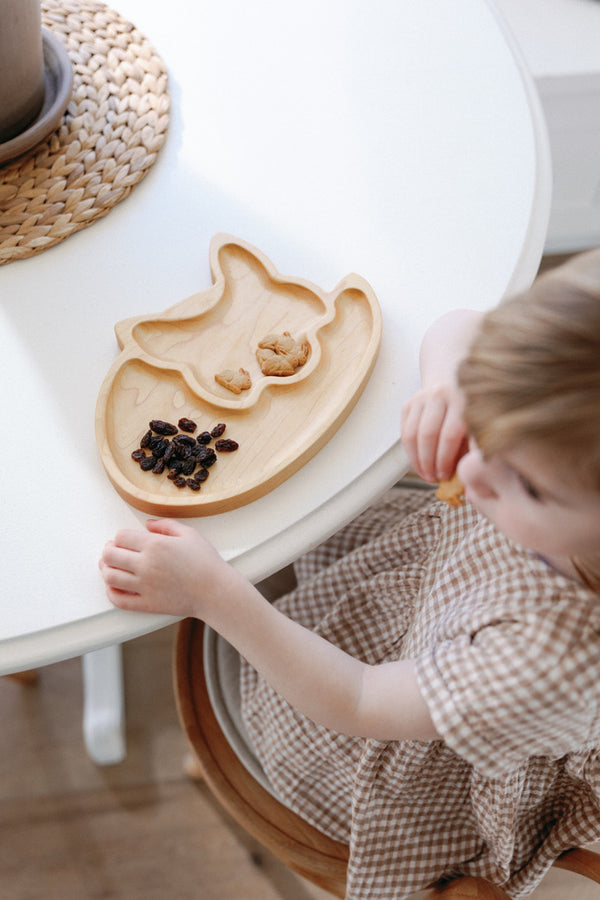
[114,126]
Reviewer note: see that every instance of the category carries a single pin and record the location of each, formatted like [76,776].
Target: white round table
[403,142]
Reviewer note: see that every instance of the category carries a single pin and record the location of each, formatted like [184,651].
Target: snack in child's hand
[451,491]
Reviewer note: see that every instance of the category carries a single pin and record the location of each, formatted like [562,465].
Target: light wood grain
[167,370]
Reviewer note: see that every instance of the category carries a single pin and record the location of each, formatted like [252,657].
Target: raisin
[209,459]
[188,467]
[226,445]
[159,449]
[180,456]
[201,453]
[160,427]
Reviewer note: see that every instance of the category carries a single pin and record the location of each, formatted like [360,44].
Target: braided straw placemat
[114,126]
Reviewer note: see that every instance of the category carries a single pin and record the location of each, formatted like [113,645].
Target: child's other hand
[170,569]
[433,431]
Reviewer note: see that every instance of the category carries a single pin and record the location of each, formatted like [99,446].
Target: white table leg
[103,705]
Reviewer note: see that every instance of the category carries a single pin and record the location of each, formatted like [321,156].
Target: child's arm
[433,433]
[171,569]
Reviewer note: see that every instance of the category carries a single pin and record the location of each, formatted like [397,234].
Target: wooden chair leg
[28,677]
[192,767]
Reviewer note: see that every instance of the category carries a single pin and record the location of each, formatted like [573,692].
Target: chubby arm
[328,685]
[172,569]
[433,433]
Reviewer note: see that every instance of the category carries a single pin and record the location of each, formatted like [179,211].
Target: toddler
[430,691]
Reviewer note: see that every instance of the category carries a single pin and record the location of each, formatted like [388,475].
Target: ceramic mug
[21,65]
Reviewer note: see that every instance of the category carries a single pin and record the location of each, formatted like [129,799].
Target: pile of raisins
[185,459]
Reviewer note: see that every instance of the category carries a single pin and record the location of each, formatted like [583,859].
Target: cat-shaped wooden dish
[167,369]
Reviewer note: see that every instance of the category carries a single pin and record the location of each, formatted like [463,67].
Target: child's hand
[433,432]
[170,569]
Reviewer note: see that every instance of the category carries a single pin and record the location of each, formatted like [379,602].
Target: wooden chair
[244,793]
[27,676]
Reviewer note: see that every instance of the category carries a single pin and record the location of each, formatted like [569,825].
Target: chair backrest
[300,846]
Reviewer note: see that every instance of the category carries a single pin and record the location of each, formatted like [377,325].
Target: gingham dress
[508,661]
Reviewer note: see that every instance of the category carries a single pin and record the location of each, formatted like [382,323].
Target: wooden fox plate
[167,366]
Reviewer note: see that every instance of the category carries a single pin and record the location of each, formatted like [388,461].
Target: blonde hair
[533,370]
[532,374]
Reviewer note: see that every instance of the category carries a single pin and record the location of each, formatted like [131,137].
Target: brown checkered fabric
[508,661]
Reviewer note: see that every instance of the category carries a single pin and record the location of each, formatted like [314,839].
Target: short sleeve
[513,690]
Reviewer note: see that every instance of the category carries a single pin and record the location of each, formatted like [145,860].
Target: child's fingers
[422,420]
[451,444]
[408,438]
[410,421]
[430,427]
[130,539]
[119,558]
[433,433]
[165,526]
[119,579]
[122,599]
